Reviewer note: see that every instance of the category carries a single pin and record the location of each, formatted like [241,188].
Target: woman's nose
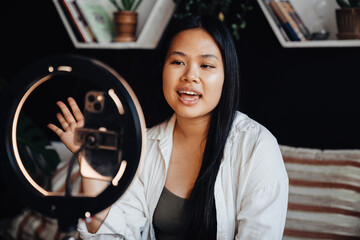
[191,74]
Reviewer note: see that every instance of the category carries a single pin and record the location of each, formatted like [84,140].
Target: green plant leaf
[32,144]
[137,5]
[235,31]
[354,3]
[124,4]
[343,3]
[243,25]
[228,10]
[117,6]
[129,5]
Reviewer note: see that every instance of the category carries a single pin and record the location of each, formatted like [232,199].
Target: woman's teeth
[187,93]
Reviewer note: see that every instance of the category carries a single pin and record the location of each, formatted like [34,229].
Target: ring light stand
[68,209]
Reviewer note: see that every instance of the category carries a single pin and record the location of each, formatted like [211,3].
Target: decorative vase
[348,23]
[125,26]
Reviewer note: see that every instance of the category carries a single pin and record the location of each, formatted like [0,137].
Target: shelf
[313,21]
[153,16]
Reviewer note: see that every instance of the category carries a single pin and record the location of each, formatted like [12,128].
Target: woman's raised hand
[69,121]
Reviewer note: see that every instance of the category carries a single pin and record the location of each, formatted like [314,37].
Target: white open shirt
[251,188]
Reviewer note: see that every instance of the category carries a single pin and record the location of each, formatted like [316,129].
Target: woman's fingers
[69,119]
[67,115]
[64,124]
[77,112]
[55,129]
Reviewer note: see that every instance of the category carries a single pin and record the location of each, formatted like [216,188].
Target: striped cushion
[324,194]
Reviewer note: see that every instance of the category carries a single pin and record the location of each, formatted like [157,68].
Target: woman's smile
[188,96]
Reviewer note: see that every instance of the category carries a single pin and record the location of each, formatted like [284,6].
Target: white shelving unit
[153,16]
[313,17]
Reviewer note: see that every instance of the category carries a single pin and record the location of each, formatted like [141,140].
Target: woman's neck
[192,129]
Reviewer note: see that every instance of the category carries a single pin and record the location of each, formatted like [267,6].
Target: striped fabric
[324,193]
[324,197]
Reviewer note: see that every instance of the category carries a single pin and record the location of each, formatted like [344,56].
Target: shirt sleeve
[126,219]
[263,206]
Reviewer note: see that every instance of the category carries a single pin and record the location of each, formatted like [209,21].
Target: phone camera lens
[97,106]
[91,98]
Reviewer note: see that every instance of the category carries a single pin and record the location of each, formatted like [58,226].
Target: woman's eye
[207,66]
[177,62]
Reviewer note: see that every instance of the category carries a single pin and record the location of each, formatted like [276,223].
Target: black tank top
[168,217]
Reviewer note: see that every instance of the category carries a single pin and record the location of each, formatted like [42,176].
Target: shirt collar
[163,130]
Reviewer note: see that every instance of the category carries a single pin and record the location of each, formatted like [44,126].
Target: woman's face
[193,74]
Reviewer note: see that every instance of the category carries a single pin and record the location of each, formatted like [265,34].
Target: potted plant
[231,12]
[348,19]
[125,19]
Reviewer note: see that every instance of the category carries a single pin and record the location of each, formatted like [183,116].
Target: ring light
[47,72]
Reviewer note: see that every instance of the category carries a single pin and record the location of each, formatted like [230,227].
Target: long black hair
[200,211]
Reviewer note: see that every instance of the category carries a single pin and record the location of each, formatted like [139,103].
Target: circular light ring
[14,141]
[68,209]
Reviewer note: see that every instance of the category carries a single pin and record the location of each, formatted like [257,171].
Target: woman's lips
[188,97]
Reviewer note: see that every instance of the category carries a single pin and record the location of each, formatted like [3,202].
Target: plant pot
[125,26]
[348,23]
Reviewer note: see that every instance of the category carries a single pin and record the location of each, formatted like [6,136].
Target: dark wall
[307,97]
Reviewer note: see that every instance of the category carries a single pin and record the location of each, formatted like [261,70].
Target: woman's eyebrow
[178,53]
[202,55]
[209,56]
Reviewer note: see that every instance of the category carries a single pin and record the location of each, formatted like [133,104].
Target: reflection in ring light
[14,142]
[64,69]
[85,167]
[117,101]
[119,174]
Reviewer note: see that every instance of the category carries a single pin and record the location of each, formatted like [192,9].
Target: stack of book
[90,20]
[289,22]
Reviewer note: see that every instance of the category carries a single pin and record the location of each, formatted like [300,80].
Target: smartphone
[102,132]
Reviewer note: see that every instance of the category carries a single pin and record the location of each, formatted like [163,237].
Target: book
[276,20]
[284,22]
[99,17]
[297,19]
[82,22]
[74,28]
[79,21]
[290,20]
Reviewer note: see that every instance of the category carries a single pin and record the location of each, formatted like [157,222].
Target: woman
[210,171]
